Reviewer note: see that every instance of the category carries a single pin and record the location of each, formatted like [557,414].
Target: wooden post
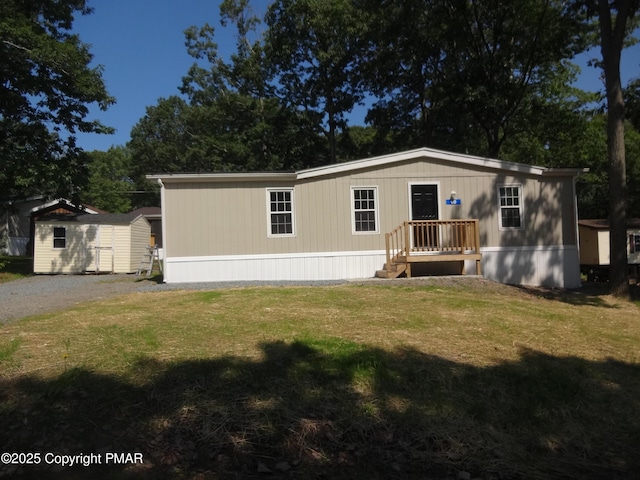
[407,242]
[476,225]
[386,242]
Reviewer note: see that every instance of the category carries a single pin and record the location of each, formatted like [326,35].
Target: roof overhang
[63,201]
[383,160]
[223,177]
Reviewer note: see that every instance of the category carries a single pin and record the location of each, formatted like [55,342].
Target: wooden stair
[391,271]
[420,241]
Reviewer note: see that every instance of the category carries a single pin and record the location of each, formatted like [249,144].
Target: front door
[424,206]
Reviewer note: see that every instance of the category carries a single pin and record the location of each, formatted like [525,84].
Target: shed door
[424,206]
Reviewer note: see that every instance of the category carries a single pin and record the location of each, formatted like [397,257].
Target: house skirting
[298,266]
[556,266]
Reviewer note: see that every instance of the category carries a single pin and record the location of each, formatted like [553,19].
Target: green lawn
[354,381]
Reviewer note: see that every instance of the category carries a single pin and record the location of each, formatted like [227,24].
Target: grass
[12,268]
[355,381]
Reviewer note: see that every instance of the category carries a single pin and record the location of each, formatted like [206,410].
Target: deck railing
[415,240]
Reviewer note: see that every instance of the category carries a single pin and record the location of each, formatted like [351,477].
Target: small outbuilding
[102,243]
[594,246]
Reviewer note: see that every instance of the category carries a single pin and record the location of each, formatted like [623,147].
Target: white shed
[113,243]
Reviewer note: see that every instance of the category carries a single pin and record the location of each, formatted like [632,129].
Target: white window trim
[293,212]
[376,209]
[59,238]
[632,240]
[520,206]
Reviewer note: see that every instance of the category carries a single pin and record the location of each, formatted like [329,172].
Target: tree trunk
[618,187]
[612,38]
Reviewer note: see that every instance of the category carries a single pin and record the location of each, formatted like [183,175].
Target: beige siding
[105,249]
[589,248]
[138,241]
[76,257]
[206,219]
[90,248]
[603,247]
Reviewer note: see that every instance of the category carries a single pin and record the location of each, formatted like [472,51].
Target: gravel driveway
[48,293]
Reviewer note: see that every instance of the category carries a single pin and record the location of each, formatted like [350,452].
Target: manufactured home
[415,212]
[100,243]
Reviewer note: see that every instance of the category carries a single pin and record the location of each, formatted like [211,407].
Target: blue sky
[140,44]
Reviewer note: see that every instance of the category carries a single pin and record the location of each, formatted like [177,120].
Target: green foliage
[632,102]
[231,119]
[313,48]
[109,184]
[47,84]
[13,268]
[470,74]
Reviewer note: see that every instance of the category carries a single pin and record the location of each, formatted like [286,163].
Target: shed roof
[148,211]
[380,161]
[93,219]
[63,202]
[603,224]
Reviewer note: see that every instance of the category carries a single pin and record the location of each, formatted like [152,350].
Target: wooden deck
[431,241]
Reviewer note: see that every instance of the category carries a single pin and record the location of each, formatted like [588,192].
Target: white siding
[312,266]
[553,266]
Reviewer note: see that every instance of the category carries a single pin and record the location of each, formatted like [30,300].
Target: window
[280,212]
[365,209]
[634,243]
[510,206]
[59,237]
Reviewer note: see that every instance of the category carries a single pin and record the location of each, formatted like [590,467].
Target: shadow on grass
[590,294]
[333,409]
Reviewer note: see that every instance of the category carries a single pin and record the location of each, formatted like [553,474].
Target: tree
[161,139]
[110,186]
[470,73]
[229,118]
[631,97]
[614,20]
[246,126]
[312,47]
[46,84]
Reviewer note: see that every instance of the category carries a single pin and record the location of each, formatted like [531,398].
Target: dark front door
[424,206]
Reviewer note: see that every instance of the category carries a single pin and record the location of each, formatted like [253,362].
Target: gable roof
[383,160]
[63,202]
